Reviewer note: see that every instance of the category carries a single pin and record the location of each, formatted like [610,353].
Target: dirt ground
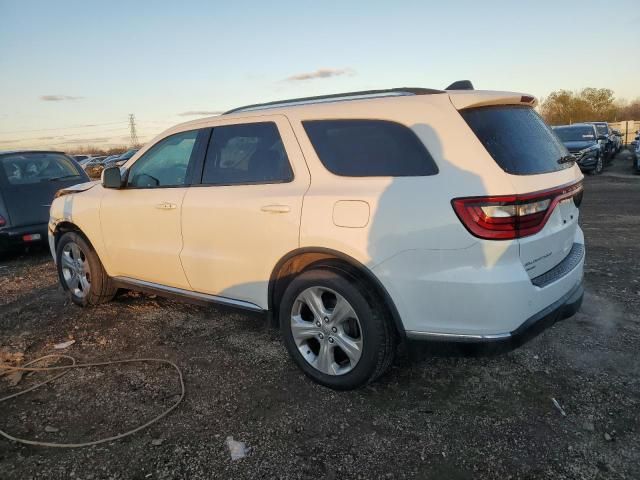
[442,417]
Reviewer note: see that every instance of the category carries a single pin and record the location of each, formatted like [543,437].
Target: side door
[141,223]
[245,214]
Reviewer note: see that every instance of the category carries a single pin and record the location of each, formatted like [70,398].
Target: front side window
[245,154]
[369,148]
[165,164]
[28,168]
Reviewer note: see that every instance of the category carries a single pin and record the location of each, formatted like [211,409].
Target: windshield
[575,134]
[517,138]
[26,168]
[602,129]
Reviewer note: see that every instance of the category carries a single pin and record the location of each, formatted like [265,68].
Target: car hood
[578,145]
[80,187]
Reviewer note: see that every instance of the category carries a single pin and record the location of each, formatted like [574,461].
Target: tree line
[563,107]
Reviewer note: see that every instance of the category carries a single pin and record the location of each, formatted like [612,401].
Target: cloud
[201,113]
[58,98]
[81,141]
[321,73]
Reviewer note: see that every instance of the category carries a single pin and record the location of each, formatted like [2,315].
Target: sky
[73,71]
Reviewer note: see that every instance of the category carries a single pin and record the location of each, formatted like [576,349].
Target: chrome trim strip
[187,293]
[456,337]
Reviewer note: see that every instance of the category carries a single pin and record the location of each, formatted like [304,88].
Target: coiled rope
[66,369]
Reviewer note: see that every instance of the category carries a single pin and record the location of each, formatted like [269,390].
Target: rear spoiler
[484,98]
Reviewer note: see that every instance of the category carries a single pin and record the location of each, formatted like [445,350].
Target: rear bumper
[19,236]
[565,307]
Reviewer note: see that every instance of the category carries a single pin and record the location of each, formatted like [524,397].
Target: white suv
[356,221]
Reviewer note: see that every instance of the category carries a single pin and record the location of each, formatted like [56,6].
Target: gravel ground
[442,417]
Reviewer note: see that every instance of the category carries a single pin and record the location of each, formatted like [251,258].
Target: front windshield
[602,129]
[575,134]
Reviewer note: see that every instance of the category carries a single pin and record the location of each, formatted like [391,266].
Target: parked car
[28,183]
[120,160]
[581,140]
[95,166]
[636,152]
[604,138]
[353,221]
[618,143]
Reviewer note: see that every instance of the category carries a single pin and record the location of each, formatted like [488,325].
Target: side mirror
[111,178]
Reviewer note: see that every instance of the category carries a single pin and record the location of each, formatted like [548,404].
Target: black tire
[378,334]
[597,170]
[101,287]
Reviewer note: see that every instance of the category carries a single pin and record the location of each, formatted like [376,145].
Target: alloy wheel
[75,269]
[326,330]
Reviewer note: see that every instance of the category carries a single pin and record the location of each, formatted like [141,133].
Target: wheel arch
[66,226]
[302,259]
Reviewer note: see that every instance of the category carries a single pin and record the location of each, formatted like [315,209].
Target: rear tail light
[3,222]
[507,217]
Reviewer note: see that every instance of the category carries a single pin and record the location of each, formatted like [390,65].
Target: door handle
[166,206]
[276,208]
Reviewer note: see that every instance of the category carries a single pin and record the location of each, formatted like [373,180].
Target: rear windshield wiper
[60,178]
[567,159]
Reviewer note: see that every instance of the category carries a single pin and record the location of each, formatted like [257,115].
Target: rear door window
[517,138]
[29,168]
[369,148]
[245,154]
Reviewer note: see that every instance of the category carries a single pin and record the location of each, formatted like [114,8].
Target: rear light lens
[3,222]
[507,217]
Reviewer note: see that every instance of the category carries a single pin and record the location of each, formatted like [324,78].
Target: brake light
[3,222]
[506,217]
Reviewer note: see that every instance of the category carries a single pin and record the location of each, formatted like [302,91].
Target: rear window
[369,148]
[28,168]
[517,138]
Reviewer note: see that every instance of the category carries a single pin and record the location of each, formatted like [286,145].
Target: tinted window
[248,153]
[517,139]
[575,134]
[369,148]
[165,164]
[26,168]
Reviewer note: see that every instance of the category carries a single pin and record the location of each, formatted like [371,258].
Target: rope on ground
[64,369]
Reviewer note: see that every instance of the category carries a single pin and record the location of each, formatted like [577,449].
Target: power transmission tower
[135,143]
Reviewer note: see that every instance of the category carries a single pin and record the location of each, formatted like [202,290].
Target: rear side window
[369,148]
[28,168]
[517,138]
[245,154]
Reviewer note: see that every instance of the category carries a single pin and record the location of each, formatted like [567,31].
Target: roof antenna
[461,85]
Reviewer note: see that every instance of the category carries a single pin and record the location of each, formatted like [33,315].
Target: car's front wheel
[336,331]
[81,273]
[597,170]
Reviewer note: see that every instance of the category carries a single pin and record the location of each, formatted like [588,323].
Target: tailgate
[535,161]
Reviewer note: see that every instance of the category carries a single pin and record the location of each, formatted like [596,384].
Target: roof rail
[339,97]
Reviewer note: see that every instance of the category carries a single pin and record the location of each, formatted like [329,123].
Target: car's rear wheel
[81,273]
[336,331]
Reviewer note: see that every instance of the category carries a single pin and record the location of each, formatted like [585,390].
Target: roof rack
[339,97]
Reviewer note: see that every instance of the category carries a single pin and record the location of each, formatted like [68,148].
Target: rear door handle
[276,208]
[166,206]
